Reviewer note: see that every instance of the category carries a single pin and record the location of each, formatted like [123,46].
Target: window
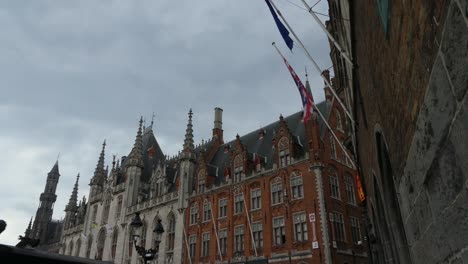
[349,184]
[255,199]
[355,230]
[297,189]
[115,237]
[332,146]
[276,192]
[105,213]
[119,207]
[239,238]
[78,247]
[283,146]
[222,208]
[143,235]
[201,186]
[192,245]
[334,187]
[205,244]
[279,232]
[194,214]
[339,124]
[206,211]
[257,232]
[88,246]
[93,218]
[222,234]
[338,226]
[239,204]
[238,174]
[171,232]
[300,227]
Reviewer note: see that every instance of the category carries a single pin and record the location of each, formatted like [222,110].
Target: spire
[27,233]
[55,169]
[136,155]
[74,196]
[188,142]
[99,172]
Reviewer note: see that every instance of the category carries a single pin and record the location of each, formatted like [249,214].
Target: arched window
[70,248]
[171,224]
[100,243]
[332,146]
[89,245]
[283,151]
[339,124]
[115,237]
[105,212]
[78,247]
[143,235]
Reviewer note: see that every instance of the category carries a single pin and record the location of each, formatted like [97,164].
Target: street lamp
[146,254]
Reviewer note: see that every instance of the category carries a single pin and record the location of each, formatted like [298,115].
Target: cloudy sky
[73,73]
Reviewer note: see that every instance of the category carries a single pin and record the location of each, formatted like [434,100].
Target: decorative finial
[152,120]
[281,117]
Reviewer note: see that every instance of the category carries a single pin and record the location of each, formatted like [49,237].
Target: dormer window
[201,186]
[283,147]
[238,168]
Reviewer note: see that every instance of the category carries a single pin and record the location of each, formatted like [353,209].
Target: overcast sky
[73,73]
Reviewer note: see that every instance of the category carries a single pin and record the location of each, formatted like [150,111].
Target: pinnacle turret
[27,233]
[188,142]
[74,196]
[135,158]
[100,172]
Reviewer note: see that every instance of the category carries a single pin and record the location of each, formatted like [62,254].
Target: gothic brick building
[407,89]
[285,193]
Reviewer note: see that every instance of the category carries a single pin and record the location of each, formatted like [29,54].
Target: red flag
[151,151]
[307,99]
[360,190]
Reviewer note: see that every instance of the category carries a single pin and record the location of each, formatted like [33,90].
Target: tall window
[105,212]
[332,146]
[334,187]
[255,199]
[205,244]
[194,214]
[206,211]
[119,207]
[88,246]
[279,232]
[257,232]
[171,232]
[143,235]
[339,124]
[70,250]
[93,217]
[78,247]
[300,227]
[238,168]
[338,226]
[201,186]
[130,243]
[115,237]
[239,238]
[222,208]
[192,245]
[100,244]
[349,184]
[276,192]
[283,146]
[297,188]
[238,204]
[355,230]
[222,234]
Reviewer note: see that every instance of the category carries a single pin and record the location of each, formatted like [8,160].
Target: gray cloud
[74,73]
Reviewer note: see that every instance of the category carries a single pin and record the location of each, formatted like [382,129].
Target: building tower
[187,165]
[46,205]
[99,177]
[72,207]
[134,166]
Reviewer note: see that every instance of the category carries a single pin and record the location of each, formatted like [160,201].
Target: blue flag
[282,29]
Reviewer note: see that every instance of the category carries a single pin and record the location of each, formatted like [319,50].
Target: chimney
[218,124]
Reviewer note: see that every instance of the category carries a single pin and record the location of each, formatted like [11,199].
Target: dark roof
[149,162]
[55,169]
[325,110]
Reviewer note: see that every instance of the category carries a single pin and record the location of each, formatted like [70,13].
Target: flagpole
[216,230]
[186,244]
[325,121]
[314,63]
[250,226]
[330,37]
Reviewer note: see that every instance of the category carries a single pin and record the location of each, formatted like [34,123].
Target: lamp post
[146,254]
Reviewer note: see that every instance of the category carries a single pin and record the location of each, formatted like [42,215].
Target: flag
[151,151]
[307,100]
[360,190]
[282,29]
[108,229]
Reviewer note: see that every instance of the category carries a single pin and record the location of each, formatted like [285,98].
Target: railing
[153,202]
